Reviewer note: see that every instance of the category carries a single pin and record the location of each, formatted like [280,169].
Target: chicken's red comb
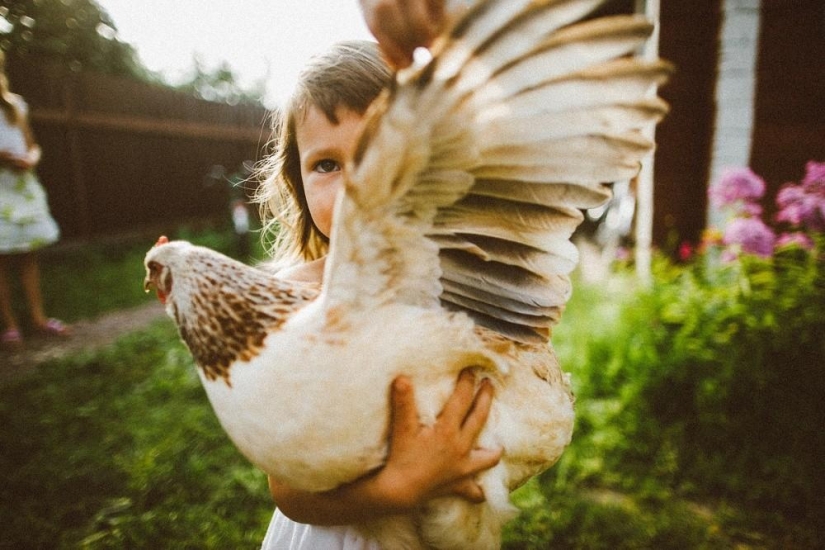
[163,239]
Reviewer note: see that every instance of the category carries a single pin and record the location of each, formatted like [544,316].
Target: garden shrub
[711,382]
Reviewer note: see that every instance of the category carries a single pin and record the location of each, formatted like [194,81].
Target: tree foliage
[220,84]
[82,35]
[77,32]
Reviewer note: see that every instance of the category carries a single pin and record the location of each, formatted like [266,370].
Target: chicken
[450,249]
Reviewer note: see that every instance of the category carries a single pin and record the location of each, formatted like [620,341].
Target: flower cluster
[803,205]
[801,211]
[739,189]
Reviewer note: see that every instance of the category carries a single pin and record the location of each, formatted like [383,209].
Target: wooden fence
[121,155]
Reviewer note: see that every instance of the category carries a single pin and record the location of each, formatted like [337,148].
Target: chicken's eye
[326,166]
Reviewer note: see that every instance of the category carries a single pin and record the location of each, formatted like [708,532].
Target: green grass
[120,449]
[581,517]
[656,388]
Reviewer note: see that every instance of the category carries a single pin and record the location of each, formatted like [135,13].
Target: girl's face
[323,148]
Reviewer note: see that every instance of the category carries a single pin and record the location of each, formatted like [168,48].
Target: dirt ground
[86,335]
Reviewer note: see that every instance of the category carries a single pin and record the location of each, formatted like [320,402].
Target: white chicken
[450,249]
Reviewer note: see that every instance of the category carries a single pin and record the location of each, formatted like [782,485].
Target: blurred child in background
[25,221]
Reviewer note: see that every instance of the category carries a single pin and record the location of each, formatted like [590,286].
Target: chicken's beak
[152,280]
[153,272]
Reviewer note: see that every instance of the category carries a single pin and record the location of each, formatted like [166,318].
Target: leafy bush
[699,399]
[710,383]
[732,402]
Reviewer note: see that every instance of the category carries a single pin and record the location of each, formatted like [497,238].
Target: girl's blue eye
[325,166]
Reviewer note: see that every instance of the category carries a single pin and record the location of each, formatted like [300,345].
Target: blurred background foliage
[706,388]
[77,32]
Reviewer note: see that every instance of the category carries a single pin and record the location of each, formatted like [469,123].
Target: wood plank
[168,127]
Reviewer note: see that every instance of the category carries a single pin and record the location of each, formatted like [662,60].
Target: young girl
[25,221]
[316,131]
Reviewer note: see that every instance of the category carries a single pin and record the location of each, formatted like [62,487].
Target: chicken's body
[449,249]
[299,390]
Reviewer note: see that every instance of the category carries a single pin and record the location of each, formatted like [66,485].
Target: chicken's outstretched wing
[469,177]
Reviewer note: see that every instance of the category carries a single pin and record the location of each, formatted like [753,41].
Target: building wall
[749,90]
[688,39]
[790,91]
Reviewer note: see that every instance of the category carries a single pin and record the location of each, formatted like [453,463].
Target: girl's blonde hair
[351,75]
[7,99]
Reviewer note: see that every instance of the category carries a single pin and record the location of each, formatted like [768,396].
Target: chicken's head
[161,262]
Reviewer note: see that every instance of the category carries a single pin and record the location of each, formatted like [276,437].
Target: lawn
[119,448]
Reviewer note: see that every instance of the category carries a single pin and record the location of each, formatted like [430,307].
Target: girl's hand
[442,459]
[401,26]
[19,163]
[22,164]
[7,159]
[423,462]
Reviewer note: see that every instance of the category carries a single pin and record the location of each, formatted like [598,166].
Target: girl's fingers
[465,485]
[396,55]
[424,21]
[458,405]
[436,9]
[484,459]
[480,409]
[404,411]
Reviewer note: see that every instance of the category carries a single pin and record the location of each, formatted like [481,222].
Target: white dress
[25,221]
[285,534]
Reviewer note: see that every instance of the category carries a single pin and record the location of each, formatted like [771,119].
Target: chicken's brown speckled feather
[231,310]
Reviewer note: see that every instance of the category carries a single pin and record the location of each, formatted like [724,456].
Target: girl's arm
[33,153]
[423,462]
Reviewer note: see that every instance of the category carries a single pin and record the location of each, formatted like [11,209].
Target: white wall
[735,88]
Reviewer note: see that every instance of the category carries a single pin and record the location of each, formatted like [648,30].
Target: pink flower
[814,174]
[793,204]
[804,204]
[751,235]
[795,239]
[737,185]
